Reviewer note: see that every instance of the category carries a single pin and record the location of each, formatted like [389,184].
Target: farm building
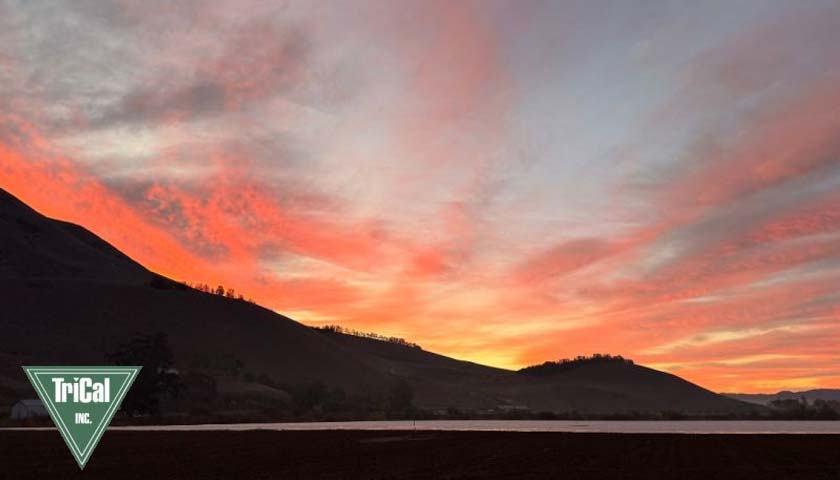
[28,408]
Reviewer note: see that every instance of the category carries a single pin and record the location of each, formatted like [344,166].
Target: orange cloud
[721,267]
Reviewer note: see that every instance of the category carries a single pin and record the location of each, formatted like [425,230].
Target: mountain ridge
[766,398]
[71,297]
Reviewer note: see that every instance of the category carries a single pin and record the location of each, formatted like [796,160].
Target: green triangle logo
[82,401]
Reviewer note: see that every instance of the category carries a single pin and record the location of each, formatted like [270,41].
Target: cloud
[457,173]
[564,258]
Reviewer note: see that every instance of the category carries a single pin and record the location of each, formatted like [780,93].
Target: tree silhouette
[565,364]
[309,395]
[156,379]
[338,329]
[400,397]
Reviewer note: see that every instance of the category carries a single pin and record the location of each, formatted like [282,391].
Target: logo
[81,401]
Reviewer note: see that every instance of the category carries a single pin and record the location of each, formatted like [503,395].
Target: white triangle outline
[86,451]
[82,455]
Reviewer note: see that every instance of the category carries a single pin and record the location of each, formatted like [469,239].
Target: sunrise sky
[504,182]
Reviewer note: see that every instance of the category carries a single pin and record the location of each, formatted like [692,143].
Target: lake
[691,427]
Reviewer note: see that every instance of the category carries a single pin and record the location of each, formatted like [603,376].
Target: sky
[503,182]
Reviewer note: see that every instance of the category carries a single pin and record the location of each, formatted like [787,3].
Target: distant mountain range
[69,297]
[766,398]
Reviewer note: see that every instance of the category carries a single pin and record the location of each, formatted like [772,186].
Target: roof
[31,402]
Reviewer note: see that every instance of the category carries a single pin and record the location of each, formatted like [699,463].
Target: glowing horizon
[502,182]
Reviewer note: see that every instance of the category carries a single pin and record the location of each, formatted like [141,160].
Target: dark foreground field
[438,455]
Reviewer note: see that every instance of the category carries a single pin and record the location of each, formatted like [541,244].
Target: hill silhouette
[766,398]
[69,297]
[35,247]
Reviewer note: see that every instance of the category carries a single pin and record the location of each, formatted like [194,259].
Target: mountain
[35,247]
[766,398]
[69,297]
[593,385]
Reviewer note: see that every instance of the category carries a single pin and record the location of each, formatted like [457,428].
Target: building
[513,408]
[28,408]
